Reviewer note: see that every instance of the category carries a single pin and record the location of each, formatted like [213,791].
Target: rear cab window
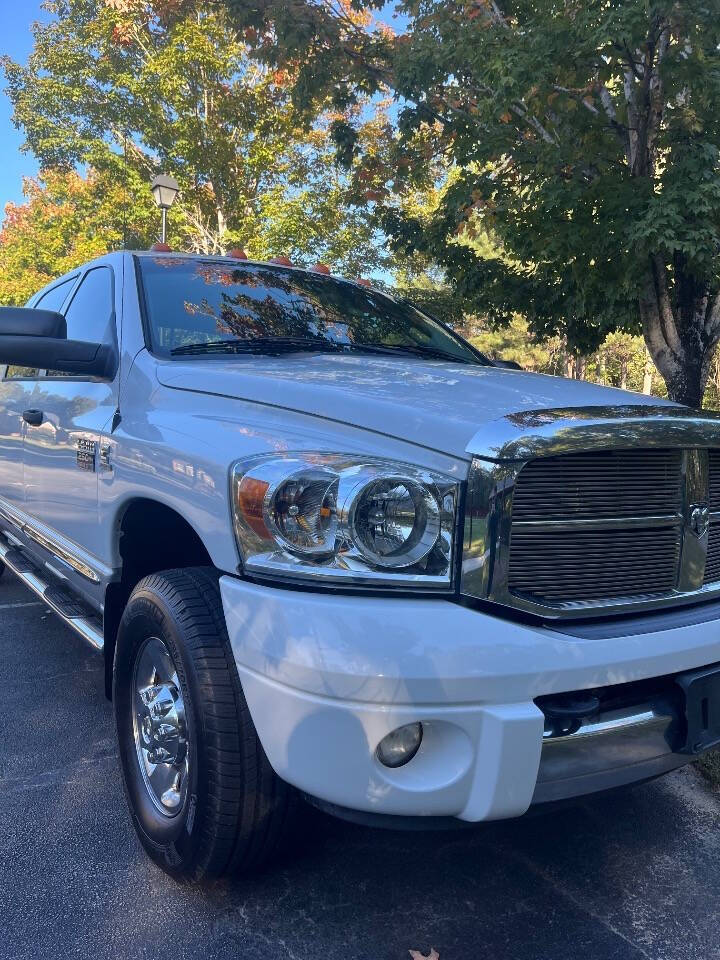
[90,311]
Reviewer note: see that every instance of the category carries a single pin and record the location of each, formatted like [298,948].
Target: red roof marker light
[281,261]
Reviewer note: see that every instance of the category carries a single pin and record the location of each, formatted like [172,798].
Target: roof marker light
[237,254]
[282,261]
[320,268]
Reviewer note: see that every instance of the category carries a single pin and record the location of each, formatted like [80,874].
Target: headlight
[359,521]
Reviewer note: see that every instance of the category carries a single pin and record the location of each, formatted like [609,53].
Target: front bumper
[327,677]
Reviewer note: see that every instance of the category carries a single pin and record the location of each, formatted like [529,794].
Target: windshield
[198,307]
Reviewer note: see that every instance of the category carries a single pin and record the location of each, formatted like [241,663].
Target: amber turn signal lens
[250,498]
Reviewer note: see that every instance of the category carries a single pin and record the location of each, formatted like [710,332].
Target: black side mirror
[26,322]
[508,364]
[38,338]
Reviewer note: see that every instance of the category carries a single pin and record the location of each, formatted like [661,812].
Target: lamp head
[164,190]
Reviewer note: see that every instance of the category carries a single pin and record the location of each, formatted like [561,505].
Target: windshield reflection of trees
[265,303]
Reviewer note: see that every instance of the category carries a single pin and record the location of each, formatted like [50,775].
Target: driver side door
[63,452]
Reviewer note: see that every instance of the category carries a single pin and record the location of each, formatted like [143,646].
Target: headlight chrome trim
[267,554]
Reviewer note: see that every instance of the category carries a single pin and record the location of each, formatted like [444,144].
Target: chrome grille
[714,479]
[597,526]
[597,565]
[591,486]
[712,563]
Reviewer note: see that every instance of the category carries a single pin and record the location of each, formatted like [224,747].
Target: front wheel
[203,797]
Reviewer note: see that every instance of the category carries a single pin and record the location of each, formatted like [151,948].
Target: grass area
[709,767]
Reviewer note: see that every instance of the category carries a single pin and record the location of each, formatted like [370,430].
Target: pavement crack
[563,891]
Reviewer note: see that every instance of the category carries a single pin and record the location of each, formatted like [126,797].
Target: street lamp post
[164,190]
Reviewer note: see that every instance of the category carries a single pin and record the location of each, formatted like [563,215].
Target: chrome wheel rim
[160,728]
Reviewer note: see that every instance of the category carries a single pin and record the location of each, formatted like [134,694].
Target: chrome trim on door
[62,548]
[62,553]
[503,447]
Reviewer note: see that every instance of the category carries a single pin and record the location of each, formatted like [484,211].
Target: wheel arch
[150,536]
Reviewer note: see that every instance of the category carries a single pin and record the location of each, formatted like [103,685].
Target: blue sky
[16,18]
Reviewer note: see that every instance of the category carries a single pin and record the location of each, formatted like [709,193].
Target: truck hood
[435,404]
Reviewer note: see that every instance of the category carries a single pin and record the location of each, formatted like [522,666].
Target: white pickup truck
[331,552]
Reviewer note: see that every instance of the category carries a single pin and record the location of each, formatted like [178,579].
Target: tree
[130,87]
[584,136]
[66,220]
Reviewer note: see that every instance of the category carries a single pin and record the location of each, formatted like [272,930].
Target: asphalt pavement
[632,875]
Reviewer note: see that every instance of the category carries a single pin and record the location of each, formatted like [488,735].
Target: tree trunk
[601,368]
[680,318]
[681,331]
[648,373]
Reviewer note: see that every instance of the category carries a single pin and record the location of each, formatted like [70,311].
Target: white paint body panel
[434,404]
[327,676]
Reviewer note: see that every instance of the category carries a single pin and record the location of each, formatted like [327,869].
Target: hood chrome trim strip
[547,432]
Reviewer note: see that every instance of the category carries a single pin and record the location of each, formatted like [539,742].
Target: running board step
[73,612]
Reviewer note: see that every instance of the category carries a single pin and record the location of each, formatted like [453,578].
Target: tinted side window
[54,298]
[90,309]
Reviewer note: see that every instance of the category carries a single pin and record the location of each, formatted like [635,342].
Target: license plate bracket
[702,709]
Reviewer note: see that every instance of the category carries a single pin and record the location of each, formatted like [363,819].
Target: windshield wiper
[416,350]
[279,345]
[267,345]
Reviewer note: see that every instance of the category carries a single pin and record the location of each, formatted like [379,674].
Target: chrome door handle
[33,417]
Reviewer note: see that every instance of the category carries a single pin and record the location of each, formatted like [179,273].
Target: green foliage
[66,220]
[170,84]
[583,137]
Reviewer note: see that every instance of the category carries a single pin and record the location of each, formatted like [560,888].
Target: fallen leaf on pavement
[416,955]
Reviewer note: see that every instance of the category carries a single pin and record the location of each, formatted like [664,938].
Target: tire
[226,811]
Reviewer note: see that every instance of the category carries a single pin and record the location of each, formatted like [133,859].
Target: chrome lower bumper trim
[613,749]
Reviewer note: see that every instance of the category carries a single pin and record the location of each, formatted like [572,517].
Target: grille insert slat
[714,485]
[712,563]
[629,483]
[595,563]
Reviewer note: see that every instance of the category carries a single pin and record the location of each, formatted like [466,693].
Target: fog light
[400,746]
